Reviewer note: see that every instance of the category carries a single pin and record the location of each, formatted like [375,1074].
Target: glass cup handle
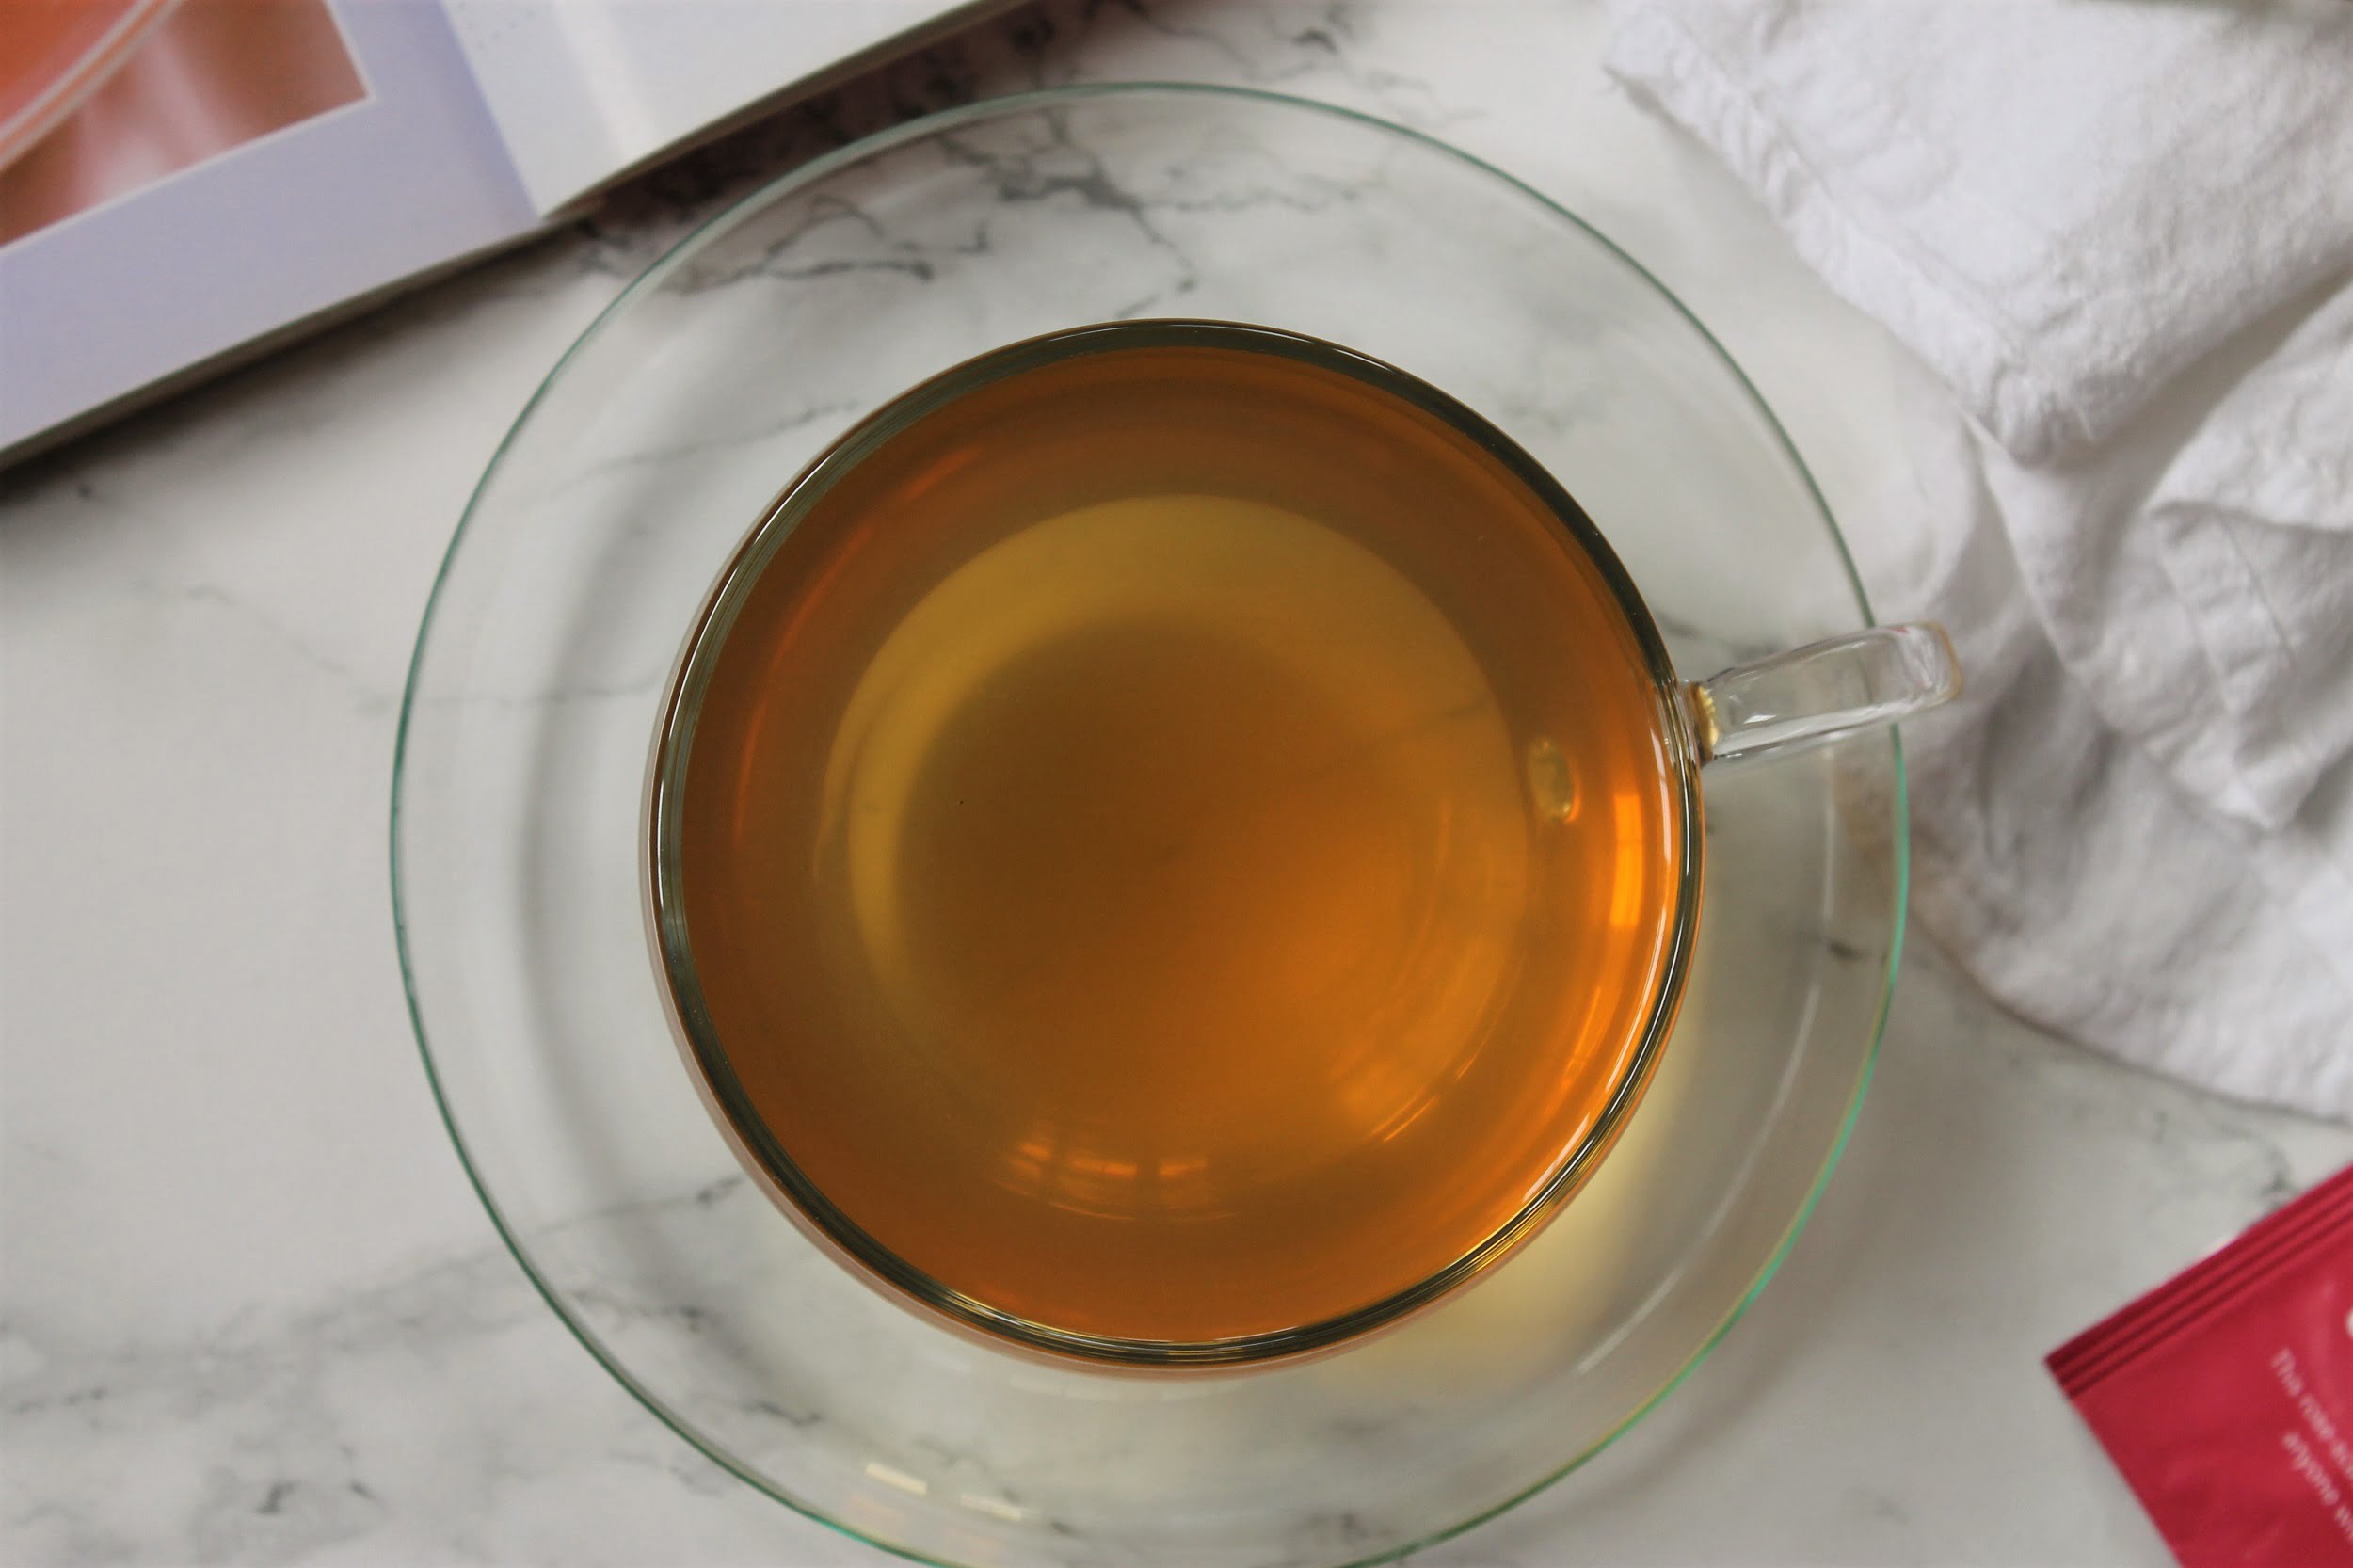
[1818,693]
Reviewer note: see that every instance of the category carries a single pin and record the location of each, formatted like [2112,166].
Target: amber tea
[1176,841]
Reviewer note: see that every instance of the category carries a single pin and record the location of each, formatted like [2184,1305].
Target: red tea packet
[2225,1396]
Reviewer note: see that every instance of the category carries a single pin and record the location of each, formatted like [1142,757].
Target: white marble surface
[251,1311]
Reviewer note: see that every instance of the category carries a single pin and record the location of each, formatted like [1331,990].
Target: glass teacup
[1178,844]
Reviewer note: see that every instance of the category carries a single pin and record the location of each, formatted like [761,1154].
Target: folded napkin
[2117,234]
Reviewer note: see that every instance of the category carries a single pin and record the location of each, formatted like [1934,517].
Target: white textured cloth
[2119,236]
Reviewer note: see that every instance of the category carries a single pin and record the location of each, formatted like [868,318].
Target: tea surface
[1178,843]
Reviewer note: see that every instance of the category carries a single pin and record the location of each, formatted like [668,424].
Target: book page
[584,90]
[193,203]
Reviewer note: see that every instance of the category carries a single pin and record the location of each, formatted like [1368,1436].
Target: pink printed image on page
[98,98]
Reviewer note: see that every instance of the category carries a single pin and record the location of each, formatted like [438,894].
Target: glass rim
[821,167]
[772,1165]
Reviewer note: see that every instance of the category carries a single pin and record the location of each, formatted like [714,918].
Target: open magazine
[183,181]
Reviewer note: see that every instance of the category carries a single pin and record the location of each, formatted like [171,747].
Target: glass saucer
[662,436]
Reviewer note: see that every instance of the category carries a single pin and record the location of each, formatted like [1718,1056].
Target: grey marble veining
[438,1413]
[251,1311]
